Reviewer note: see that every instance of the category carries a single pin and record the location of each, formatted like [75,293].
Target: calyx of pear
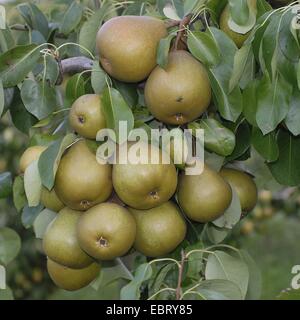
[127,46]
[30,154]
[81,181]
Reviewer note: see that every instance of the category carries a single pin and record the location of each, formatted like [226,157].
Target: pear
[106,231]
[81,182]
[127,46]
[60,241]
[204,197]
[181,92]
[159,230]
[145,185]
[72,279]
[237,38]
[31,154]
[86,116]
[244,186]
[50,200]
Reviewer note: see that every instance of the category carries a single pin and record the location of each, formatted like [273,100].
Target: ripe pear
[50,200]
[181,92]
[238,38]
[60,241]
[145,185]
[106,231]
[72,279]
[86,116]
[204,197]
[244,186]
[127,46]
[159,230]
[31,154]
[81,182]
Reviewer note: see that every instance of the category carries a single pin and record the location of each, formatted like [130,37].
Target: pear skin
[31,154]
[81,181]
[50,200]
[181,92]
[127,46]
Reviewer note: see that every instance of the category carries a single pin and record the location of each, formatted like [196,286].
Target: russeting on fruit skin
[127,46]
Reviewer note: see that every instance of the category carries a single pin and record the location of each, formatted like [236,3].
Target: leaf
[170,12]
[6,40]
[75,88]
[10,245]
[39,99]
[204,47]
[216,235]
[298,74]
[273,103]
[19,195]
[98,78]
[89,29]
[5,185]
[223,266]
[16,63]
[71,18]
[116,110]
[29,214]
[50,158]
[292,119]
[33,184]
[42,222]
[2,98]
[132,290]
[50,72]
[128,92]
[163,51]
[286,169]
[266,145]
[250,102]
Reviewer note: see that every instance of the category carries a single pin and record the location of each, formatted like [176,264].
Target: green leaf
[223,266]
[10,245]
[39,99]
[98,78]
[42,222]
[132,290]
[71,18]
[216,235]
[266,145]
[50,72]
[273,102]
[250,102]
[115,110]
[2,98]
[29,214]
[19,195]
[33,184]
[16,63]
[6,40]
[286,169]
[128,92]
[292,119]
[163,50]
[298,74]
[75,88]
[5,185]
[50,158]
[203,46]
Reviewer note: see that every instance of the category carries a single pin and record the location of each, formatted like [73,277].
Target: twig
[181,33]
[178,290]
[171,23]
[97,4]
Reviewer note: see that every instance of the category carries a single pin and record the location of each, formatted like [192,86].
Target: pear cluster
[107,211]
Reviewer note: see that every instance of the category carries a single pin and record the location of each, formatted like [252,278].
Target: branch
[21,27]
[181,33]
[178,289]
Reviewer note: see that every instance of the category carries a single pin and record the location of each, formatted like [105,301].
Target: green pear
[237,38]
[159,230]
[204,197]
[244,186]
[145,185]
[50,200]
[86,116]
[81,181]
[127,46]
[72,279]
[31,154]
[181,92]
[106,231]
[60,241]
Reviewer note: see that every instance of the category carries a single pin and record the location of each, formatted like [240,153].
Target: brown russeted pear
[106,231]
[86,116]
[145,185]
[181,92]
[81,181]
[127,46]
[204,197]
[244,186]
[159,230]
[60,241]
[72,279]
[31,154]
[50,200]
